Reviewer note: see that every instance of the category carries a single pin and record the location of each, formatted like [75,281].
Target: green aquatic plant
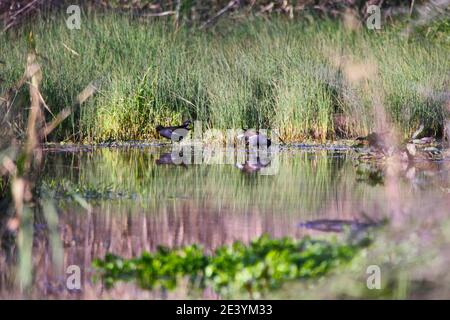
[65,189]
[264,264]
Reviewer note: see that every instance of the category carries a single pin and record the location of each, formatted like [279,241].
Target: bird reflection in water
[168,158]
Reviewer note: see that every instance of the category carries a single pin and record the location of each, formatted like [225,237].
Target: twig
[411,8]
[63,114]
[35,118]
[158,14]
[279,137]
[17,13]
[70,50]
[44,104]
[26,7]
[177,13]
[211,20]
[427,13]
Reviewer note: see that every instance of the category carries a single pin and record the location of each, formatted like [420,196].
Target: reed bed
[258,73]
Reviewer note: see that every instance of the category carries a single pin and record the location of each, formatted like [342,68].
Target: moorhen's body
[255,138]
[426,154]
[376,141]
[175,133]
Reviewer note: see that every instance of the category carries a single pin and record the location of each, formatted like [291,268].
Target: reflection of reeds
[296,187]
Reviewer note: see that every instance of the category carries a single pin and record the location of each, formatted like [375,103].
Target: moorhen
[175,133]
[376,141]
[255,139]
[426,154]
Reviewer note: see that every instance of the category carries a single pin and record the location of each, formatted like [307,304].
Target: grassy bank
[258,74]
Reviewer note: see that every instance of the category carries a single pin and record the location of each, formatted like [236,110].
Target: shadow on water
[138,199]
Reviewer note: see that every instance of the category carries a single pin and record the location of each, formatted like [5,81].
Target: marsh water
[128,199]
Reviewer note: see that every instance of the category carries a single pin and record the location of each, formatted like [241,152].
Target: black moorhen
[376,141]
[255,139]
[175,133]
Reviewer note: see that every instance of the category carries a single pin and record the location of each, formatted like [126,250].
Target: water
[136,200]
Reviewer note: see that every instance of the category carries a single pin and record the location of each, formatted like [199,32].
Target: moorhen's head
[187,123]
[159,127]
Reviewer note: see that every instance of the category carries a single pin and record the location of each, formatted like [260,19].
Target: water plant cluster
[262,265]
[66,190]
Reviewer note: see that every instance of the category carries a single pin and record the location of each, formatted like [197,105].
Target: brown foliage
[13,12]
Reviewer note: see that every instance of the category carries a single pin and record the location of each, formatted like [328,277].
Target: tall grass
[256,74]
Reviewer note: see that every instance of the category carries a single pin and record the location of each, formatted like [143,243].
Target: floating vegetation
[66,189]
[262,265]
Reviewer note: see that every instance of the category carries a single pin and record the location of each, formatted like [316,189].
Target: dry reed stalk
[447,124]
[22,180]
[22,163]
